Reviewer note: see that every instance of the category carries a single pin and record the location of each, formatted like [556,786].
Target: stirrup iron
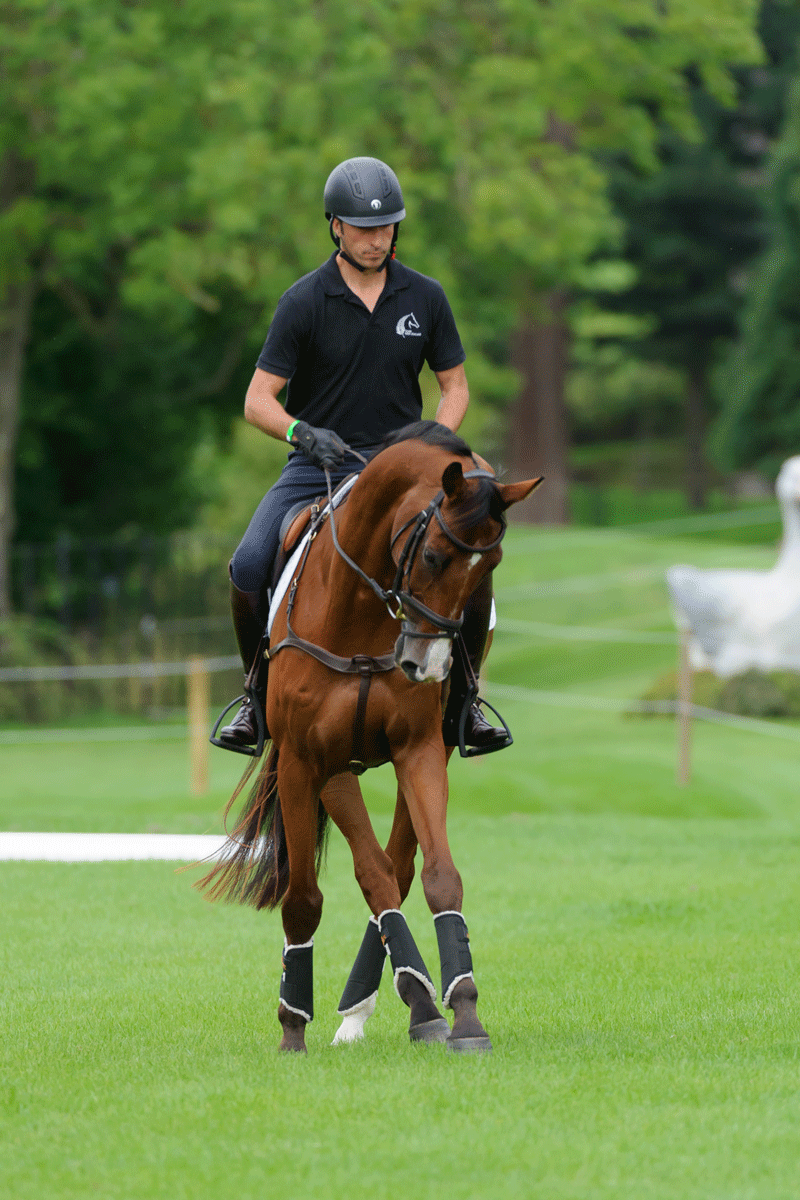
[248,694]
[473,751]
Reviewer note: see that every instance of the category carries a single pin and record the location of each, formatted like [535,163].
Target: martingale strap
[356,764]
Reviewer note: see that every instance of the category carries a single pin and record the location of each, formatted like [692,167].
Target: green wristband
[291,430]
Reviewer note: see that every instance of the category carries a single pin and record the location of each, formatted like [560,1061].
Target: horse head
[453,543]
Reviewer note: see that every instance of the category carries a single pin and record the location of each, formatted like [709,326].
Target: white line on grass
[108,847]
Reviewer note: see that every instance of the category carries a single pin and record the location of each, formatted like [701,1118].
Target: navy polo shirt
[356,371]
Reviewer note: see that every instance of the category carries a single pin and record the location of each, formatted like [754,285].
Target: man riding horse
[348,342]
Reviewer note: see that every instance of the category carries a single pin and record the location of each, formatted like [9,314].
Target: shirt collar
[397,278]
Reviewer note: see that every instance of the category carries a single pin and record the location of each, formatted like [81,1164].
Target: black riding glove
[322,446]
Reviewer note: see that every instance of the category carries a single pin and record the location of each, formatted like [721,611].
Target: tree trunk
[695,409]
[15,315]
[539,436]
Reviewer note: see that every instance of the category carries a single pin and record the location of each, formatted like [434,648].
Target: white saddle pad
[291,566]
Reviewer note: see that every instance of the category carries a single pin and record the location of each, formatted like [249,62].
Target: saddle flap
[293,525]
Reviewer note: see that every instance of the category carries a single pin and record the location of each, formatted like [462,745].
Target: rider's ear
[453,481]
[512,493]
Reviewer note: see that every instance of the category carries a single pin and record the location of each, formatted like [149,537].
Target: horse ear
[512,493]
[453,480]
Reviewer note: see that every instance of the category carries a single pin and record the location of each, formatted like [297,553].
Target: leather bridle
[399,598]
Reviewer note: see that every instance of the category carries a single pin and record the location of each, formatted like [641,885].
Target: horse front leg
[387,931]
[422,776]
[360,993]
[301,909]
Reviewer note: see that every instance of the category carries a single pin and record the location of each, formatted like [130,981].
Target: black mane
[430,432]
[484,502]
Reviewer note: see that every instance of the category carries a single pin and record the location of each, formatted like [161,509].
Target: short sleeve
[444,349]
[287,333]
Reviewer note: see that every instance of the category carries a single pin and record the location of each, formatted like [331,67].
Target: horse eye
[430,559]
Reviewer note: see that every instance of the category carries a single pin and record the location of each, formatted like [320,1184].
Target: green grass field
[636,946]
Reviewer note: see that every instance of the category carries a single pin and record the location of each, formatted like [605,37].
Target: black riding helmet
[364,191]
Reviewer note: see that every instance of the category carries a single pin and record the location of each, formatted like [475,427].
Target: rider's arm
[455,396]
[262,407]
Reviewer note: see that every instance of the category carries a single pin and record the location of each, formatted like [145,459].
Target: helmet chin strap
[337,243]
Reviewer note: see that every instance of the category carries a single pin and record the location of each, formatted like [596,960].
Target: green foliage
[760,422]
[28,643]
[170,161]
[753,693]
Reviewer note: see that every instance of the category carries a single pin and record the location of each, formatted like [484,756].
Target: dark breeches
[251,565]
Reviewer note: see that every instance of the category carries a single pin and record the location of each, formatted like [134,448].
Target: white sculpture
[746,619]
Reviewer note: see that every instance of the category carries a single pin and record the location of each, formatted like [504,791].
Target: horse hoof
[469,1045]
[437,1030]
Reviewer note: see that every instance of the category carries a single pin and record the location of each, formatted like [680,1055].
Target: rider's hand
[322,446]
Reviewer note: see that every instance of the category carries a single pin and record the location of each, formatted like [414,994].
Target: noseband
[397,596]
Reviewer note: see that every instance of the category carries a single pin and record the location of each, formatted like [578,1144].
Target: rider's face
[368,246]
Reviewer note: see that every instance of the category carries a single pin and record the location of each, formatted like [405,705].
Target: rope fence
[197,671]
[140,670]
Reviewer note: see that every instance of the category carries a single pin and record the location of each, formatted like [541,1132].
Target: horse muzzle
[424,659]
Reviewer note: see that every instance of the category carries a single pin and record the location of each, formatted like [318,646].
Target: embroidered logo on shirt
[408,326]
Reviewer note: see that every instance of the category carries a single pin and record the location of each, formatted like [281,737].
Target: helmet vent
[355,181]
[386,181]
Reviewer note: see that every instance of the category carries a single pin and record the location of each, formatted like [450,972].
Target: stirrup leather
[471,698]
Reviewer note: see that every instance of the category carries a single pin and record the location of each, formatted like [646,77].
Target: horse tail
[253,867]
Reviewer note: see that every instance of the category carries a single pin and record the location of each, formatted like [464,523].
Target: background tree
[530,111]
[161,172]
[760,421]
[759,384]
[688,229]
[104,110]
[693,226]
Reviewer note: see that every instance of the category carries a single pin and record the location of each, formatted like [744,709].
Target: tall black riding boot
[249,629]
[474,632]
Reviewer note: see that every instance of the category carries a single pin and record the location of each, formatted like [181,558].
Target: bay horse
[418,533]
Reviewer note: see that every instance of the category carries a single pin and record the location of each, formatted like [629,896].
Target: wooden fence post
[198,704]
[684,712]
